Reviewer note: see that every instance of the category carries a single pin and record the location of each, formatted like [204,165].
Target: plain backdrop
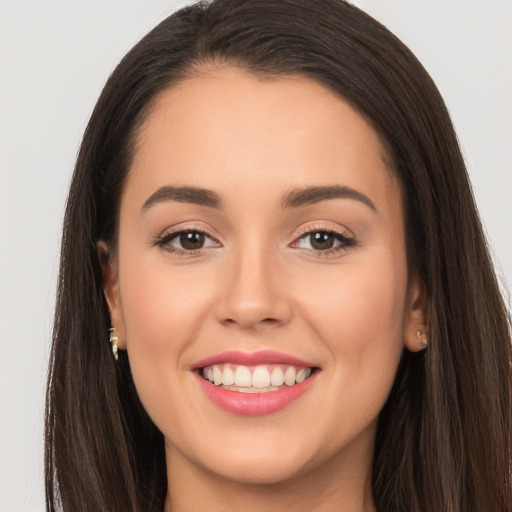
[55,56]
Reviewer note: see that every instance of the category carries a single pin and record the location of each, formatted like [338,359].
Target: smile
[254,379]
[254,383]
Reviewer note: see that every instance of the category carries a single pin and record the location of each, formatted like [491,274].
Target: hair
[444,435]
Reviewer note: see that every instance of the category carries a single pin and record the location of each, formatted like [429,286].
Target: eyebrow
[193,195]
[292,199]
[311,195]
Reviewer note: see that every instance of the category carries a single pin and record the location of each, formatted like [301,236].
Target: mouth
[255,379]
[254,383]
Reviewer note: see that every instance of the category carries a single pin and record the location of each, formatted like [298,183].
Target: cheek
[359,319]
[162,305]
[360,306]
[162,314]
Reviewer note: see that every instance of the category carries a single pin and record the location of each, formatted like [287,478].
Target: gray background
[54,59]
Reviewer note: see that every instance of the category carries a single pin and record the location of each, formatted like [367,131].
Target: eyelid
[326,226]
[187,226]
[170,233]
[345,236]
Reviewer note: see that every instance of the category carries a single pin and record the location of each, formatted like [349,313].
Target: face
[261,247]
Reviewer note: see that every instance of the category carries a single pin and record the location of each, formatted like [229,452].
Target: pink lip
[253,359]
[253,404]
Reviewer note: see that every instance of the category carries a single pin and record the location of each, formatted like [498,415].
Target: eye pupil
[192,240]
[322,240]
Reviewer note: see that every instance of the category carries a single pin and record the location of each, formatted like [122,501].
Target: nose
[253,292]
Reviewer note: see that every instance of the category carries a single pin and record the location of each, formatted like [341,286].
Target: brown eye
[186,242]
[191,240]
[322,240]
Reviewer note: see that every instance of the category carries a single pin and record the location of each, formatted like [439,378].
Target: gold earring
[113,341]
[422,340]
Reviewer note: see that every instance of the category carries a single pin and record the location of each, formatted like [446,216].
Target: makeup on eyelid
[318,234]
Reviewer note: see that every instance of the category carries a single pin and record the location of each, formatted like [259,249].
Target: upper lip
[253,359]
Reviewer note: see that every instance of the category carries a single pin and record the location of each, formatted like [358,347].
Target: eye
[324,241]
[191,240]
[186,241]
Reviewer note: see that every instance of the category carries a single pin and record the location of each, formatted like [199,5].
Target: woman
[271,222]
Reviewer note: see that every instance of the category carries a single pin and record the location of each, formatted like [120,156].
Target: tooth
[289,376]
[228,376]
[208,373]
[308,372]
[243,376]
[277,377]
[260,377]
[301,375]
[247,390]
[217,375]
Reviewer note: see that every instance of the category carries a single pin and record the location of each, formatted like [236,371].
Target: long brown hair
[444,435]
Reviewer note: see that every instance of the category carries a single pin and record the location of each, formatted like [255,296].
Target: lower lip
[254,404]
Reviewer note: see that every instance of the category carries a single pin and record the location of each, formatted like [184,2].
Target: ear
[416,333]
[110,278]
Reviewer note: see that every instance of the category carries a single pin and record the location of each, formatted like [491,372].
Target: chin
[264,470]
[258,459]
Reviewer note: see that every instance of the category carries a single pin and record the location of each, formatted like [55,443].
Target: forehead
[225,126]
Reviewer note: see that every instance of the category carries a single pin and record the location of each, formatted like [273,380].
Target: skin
[259,284]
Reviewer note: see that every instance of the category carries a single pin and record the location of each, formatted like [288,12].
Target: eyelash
[345,241]
[163,241]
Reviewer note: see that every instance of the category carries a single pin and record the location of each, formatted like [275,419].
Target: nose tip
[253,297]
[248,315]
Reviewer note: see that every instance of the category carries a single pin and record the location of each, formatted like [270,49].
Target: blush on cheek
[157,306]
[363,309]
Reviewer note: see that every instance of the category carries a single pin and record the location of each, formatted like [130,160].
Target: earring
[113,341]
[422,340]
